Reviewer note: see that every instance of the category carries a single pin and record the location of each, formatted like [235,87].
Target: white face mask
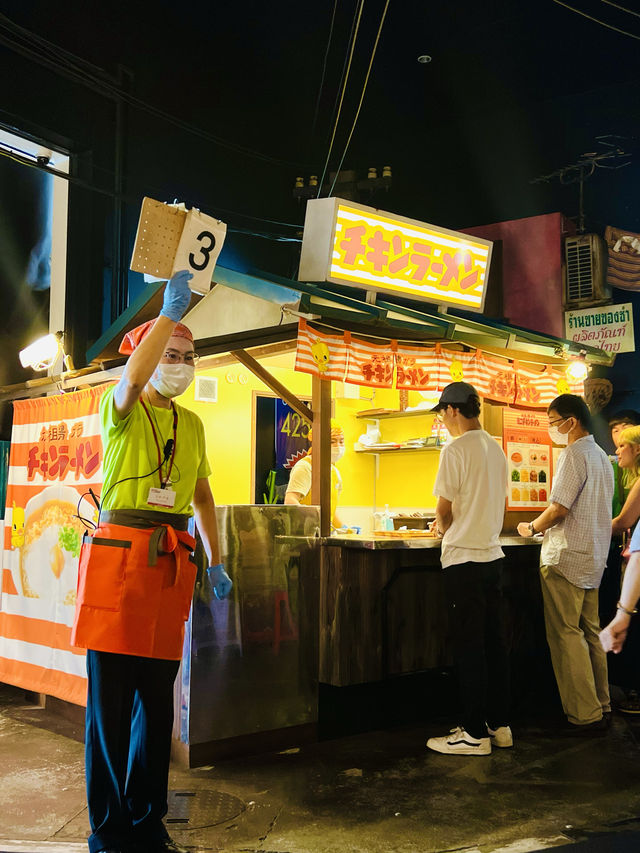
[336,454]
[558,437]
[171,380]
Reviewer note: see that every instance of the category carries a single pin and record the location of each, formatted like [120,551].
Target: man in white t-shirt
[471,487]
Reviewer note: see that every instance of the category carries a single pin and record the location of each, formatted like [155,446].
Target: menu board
[527,447]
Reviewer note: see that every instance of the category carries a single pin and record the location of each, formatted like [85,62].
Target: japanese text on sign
[61,451]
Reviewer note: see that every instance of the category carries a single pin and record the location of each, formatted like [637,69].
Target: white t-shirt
[473,476]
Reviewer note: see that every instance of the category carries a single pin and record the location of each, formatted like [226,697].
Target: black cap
[455,394]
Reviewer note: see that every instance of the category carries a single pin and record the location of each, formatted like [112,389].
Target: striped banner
[319,354]
[56,456]
[369,364]
[623,269]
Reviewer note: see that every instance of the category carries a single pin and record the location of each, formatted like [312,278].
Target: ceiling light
[41,354]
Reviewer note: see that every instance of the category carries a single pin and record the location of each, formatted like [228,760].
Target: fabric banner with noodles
[56,456]
[319,354]
[416,369]
[369,364]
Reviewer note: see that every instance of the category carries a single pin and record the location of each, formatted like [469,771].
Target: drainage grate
[199,809]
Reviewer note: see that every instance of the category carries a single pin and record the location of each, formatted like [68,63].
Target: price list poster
[527,447]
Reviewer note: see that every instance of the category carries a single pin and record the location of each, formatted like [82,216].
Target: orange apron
[135,585]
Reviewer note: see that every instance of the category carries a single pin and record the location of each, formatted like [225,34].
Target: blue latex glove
[177,296]
[220,581]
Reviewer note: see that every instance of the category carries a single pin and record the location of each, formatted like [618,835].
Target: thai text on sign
[381,251]
[609,327]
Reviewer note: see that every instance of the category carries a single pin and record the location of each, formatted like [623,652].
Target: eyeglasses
[557,421]
[440,414]
[172,356]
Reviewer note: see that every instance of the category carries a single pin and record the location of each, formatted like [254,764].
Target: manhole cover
[198,809]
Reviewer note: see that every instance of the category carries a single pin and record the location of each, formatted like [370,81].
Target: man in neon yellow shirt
[136,579]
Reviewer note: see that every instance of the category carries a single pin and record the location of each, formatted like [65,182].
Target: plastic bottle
[387,519]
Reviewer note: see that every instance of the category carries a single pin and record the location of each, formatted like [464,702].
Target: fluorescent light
[42,353]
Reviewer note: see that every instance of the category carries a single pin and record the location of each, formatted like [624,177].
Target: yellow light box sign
[351,244]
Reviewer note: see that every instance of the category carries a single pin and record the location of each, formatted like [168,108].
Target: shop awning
[259,312]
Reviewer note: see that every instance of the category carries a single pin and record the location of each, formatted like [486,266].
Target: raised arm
[145,357]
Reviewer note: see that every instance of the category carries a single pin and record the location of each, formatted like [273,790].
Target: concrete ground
[377,791]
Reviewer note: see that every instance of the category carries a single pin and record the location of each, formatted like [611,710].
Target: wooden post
[321,452]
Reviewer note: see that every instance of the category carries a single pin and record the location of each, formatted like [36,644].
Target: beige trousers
[579,661]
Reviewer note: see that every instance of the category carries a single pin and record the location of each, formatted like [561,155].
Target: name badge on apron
[161,497]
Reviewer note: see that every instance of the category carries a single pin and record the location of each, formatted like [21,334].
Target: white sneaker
[502,736]
[459,742]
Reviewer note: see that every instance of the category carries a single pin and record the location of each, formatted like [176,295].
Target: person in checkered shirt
[577,532]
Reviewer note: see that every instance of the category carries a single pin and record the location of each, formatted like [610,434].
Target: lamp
[41,354]
[577,369]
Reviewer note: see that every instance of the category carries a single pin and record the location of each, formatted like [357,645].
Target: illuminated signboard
[350,244]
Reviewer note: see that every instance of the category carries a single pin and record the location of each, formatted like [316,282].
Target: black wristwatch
[531,529]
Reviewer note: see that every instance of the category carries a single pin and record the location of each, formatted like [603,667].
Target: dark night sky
[514,90]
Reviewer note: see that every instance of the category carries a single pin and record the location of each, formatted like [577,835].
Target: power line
[16,155]
[622,8]
[324,70]
[364,89]
[596,20]
[358,14]
[65,64]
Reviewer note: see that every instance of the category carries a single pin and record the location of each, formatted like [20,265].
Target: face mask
[558,437]
[171,380]
[336,454]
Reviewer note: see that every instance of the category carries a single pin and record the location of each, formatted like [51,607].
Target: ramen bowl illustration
[52,539]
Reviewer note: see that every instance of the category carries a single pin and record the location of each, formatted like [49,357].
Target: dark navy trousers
[477,627]
[127,747]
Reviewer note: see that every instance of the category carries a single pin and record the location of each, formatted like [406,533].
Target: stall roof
[259,311]
[390,319]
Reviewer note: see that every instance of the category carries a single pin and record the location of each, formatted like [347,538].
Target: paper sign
[171,238]
[609,327]
[200,244]
[527,447]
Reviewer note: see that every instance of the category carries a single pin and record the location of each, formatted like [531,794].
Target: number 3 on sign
[200,244]
[205,251]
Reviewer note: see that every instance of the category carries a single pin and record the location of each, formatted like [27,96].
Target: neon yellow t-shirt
[130,450]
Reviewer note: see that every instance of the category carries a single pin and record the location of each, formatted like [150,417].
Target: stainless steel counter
[377,543]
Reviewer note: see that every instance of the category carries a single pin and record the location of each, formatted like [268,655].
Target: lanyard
[163,483]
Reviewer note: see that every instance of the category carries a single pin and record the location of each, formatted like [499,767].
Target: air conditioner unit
[585,264]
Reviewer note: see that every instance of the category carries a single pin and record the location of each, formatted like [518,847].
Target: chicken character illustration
[320,353]
[562,386]
[17,526]
[457,371]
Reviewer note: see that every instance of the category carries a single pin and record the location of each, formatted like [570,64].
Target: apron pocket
[101,572]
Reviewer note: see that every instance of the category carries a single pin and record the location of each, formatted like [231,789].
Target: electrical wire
[65,64]
[358,14]
[364,89]
[622,8]
[11,154]
[595,20]
[324,71]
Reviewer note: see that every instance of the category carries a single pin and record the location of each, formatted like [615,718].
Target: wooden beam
[321,453]
[271,382]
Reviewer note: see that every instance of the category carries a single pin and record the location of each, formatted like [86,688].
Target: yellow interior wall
[405,479]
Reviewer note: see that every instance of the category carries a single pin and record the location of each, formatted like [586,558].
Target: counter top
[376,543]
